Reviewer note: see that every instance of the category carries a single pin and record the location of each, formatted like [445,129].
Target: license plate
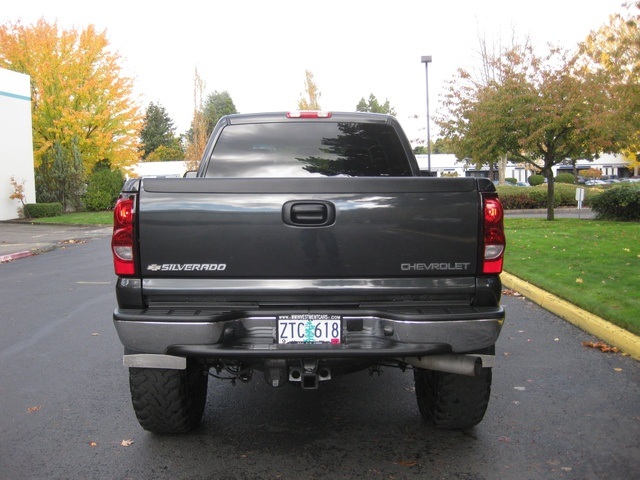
[306,328]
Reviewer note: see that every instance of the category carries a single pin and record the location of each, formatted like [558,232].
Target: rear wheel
[452,401]
[169,401]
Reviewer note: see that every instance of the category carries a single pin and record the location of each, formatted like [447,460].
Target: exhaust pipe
[469,365]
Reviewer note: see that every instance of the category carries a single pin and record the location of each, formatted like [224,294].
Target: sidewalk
[20,239]
[559,212]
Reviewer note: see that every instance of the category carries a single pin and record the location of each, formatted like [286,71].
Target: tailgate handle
[309,213]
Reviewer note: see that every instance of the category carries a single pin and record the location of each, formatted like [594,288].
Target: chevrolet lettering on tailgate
[435,266]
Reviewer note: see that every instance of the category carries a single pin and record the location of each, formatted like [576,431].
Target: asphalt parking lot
[558,409]
[22,239]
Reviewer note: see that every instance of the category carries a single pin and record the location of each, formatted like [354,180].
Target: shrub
[517,198]
[511,181]
[565,178]
[535,180]
[589,195]
[620,203]
[41,210]
[103,189]
[514,198]
[567,194]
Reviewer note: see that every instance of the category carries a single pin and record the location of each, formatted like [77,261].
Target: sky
[258,50]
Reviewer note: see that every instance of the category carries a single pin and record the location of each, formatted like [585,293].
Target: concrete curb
[27,253]
[14,256]
[612,334]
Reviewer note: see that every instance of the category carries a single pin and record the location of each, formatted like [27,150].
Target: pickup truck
[307,246]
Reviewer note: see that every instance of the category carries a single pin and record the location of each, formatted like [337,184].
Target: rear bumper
[253,335]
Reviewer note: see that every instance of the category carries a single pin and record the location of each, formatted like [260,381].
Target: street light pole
[426,59]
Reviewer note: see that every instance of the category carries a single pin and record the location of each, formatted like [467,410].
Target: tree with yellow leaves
[312,100]
[197,135]
[83,106]
[613,53]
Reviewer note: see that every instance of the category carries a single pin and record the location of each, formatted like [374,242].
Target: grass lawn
[590,263]
[80,218]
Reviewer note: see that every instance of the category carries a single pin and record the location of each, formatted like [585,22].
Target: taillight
[123,239]
[494,238]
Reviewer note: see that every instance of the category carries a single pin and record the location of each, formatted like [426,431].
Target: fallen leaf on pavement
[93,444]
[406,463]
[34,409]
[603,347]
[126,443]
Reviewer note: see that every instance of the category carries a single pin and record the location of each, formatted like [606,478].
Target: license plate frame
[309,329]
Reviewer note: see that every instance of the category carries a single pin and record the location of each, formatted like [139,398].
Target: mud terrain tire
[168,401]
[451,401]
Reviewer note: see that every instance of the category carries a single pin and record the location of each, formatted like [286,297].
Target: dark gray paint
[380,224]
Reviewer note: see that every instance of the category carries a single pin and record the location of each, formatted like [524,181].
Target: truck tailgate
[308,227]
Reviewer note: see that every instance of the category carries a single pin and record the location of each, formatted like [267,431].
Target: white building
[447,164]
[157,169]
[16,141]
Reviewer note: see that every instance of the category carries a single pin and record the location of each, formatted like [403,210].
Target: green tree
[420,150]
[216,106]
[372,105]
[103,187]
[440,146]
[554,114]
[466,135]
[312,99]
[60,176]
[165,153]
[159,131]
[539,111]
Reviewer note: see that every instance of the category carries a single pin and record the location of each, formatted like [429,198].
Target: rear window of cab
[308,149]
